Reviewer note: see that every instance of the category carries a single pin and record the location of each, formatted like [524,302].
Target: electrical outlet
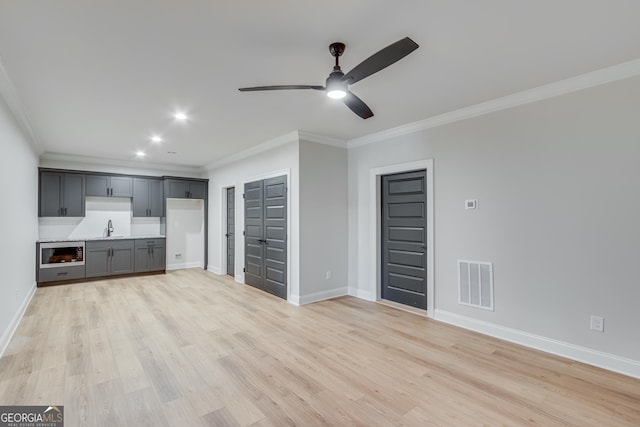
[178,256]
[597,323]
[328,275]
[471,204]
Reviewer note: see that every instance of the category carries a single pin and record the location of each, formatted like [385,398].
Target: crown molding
[320,139]
[256,149]
[10,95]
[88,160]
[562,87]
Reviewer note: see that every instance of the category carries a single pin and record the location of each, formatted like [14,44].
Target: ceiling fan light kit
[337,84]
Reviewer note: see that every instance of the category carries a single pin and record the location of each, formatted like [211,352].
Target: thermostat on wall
[471,204]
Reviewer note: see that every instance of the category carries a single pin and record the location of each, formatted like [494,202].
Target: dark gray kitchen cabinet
[185,189]
[109,257]
[61,194]
[147,197]
[61,273]
[150,255]
[109,186]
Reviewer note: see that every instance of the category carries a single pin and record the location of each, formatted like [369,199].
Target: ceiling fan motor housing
[336,49]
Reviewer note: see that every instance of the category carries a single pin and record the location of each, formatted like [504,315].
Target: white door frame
[375,236]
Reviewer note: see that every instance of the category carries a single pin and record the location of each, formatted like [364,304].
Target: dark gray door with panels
[230,234]
[265,213]
[404,238]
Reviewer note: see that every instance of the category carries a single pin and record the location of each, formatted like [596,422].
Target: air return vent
[475,284]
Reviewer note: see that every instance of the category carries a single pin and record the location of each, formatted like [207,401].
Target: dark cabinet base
[94,279]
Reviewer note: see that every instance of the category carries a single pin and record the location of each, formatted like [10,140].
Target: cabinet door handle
[64,273]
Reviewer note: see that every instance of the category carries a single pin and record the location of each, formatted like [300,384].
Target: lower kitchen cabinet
[61,273]
[150,255]
[109,257]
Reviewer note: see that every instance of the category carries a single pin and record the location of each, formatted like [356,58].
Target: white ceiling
[97,78]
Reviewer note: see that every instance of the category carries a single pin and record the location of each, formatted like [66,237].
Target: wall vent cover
[475,284]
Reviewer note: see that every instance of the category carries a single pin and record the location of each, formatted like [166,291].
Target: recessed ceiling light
[140,153]
[156,138]
[180,116]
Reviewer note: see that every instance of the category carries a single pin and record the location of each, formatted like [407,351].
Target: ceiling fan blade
[381,59]
[357,105]
[280,87]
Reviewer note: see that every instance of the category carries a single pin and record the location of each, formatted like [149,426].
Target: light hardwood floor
[190,348]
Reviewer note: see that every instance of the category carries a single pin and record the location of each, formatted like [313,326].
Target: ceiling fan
[337,84]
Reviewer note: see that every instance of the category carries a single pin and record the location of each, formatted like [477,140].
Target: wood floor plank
[193,348]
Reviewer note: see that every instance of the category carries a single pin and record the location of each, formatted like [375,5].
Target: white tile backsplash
[98,211]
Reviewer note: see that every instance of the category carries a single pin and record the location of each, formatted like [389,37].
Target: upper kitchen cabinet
[147,197]
[109,186]
[61,194]
[185,189]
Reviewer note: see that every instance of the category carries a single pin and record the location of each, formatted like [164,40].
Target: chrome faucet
[109,228]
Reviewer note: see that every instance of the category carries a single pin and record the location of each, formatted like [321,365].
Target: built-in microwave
[61,254]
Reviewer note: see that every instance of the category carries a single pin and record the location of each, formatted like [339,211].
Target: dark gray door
[253,234]
[266,235]
[404,238]
[275,229]
[230,235]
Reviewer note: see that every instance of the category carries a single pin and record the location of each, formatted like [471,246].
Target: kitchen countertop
[84,239]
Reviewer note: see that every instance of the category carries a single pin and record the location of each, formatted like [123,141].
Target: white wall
[18,223]
[323,221]
[279,160]
[557,184]
[185,233]
[98,212]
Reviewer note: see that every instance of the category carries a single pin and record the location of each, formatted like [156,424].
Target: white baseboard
[180,266]
[318,296]
[240,278]
[362,294]
[13,325]
[597,358]
[214,270]
[294,299]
